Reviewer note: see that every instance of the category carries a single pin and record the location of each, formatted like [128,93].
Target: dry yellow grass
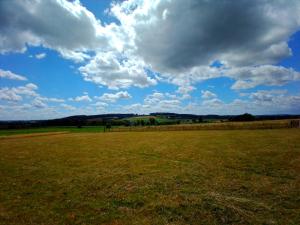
[268,124]
[179,177]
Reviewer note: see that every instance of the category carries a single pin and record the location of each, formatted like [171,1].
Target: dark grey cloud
[177,35]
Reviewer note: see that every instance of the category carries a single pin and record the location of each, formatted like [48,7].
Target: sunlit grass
[178,177]
[7,132]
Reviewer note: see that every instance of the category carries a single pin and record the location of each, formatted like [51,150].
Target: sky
[60,58]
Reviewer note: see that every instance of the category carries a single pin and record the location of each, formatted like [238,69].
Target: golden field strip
[268,124]
[161,177]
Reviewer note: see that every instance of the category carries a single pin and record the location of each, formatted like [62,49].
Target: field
[7,132]
[268,124]
[159,119]
[271,124]
[161,177]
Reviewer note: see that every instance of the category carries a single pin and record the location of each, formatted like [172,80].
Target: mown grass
[179,177]
[7,132]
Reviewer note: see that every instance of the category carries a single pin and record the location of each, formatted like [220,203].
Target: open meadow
[162,177]
[39,130]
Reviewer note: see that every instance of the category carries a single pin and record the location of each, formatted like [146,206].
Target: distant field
[268,124]
[51,129]
[271,124]
[191,177]
[159,119]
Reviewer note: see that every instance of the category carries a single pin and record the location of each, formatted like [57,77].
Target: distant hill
[135,119]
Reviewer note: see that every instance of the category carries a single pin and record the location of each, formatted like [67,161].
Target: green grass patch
[72,129]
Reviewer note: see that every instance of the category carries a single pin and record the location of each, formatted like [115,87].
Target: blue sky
[60,58]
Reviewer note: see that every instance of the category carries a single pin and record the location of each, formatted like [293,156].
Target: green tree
[152,121]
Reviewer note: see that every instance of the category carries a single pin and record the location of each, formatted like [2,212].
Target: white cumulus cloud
[65,26]
[40,56]
[83,98]
[10,75]
[208,94]
[113,97]
[110,70]
[249,77]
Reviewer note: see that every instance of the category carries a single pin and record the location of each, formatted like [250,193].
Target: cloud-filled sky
[60,58]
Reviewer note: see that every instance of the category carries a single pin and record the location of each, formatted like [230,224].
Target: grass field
[73,129]
[268,124]
[159,119]
[178,177]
